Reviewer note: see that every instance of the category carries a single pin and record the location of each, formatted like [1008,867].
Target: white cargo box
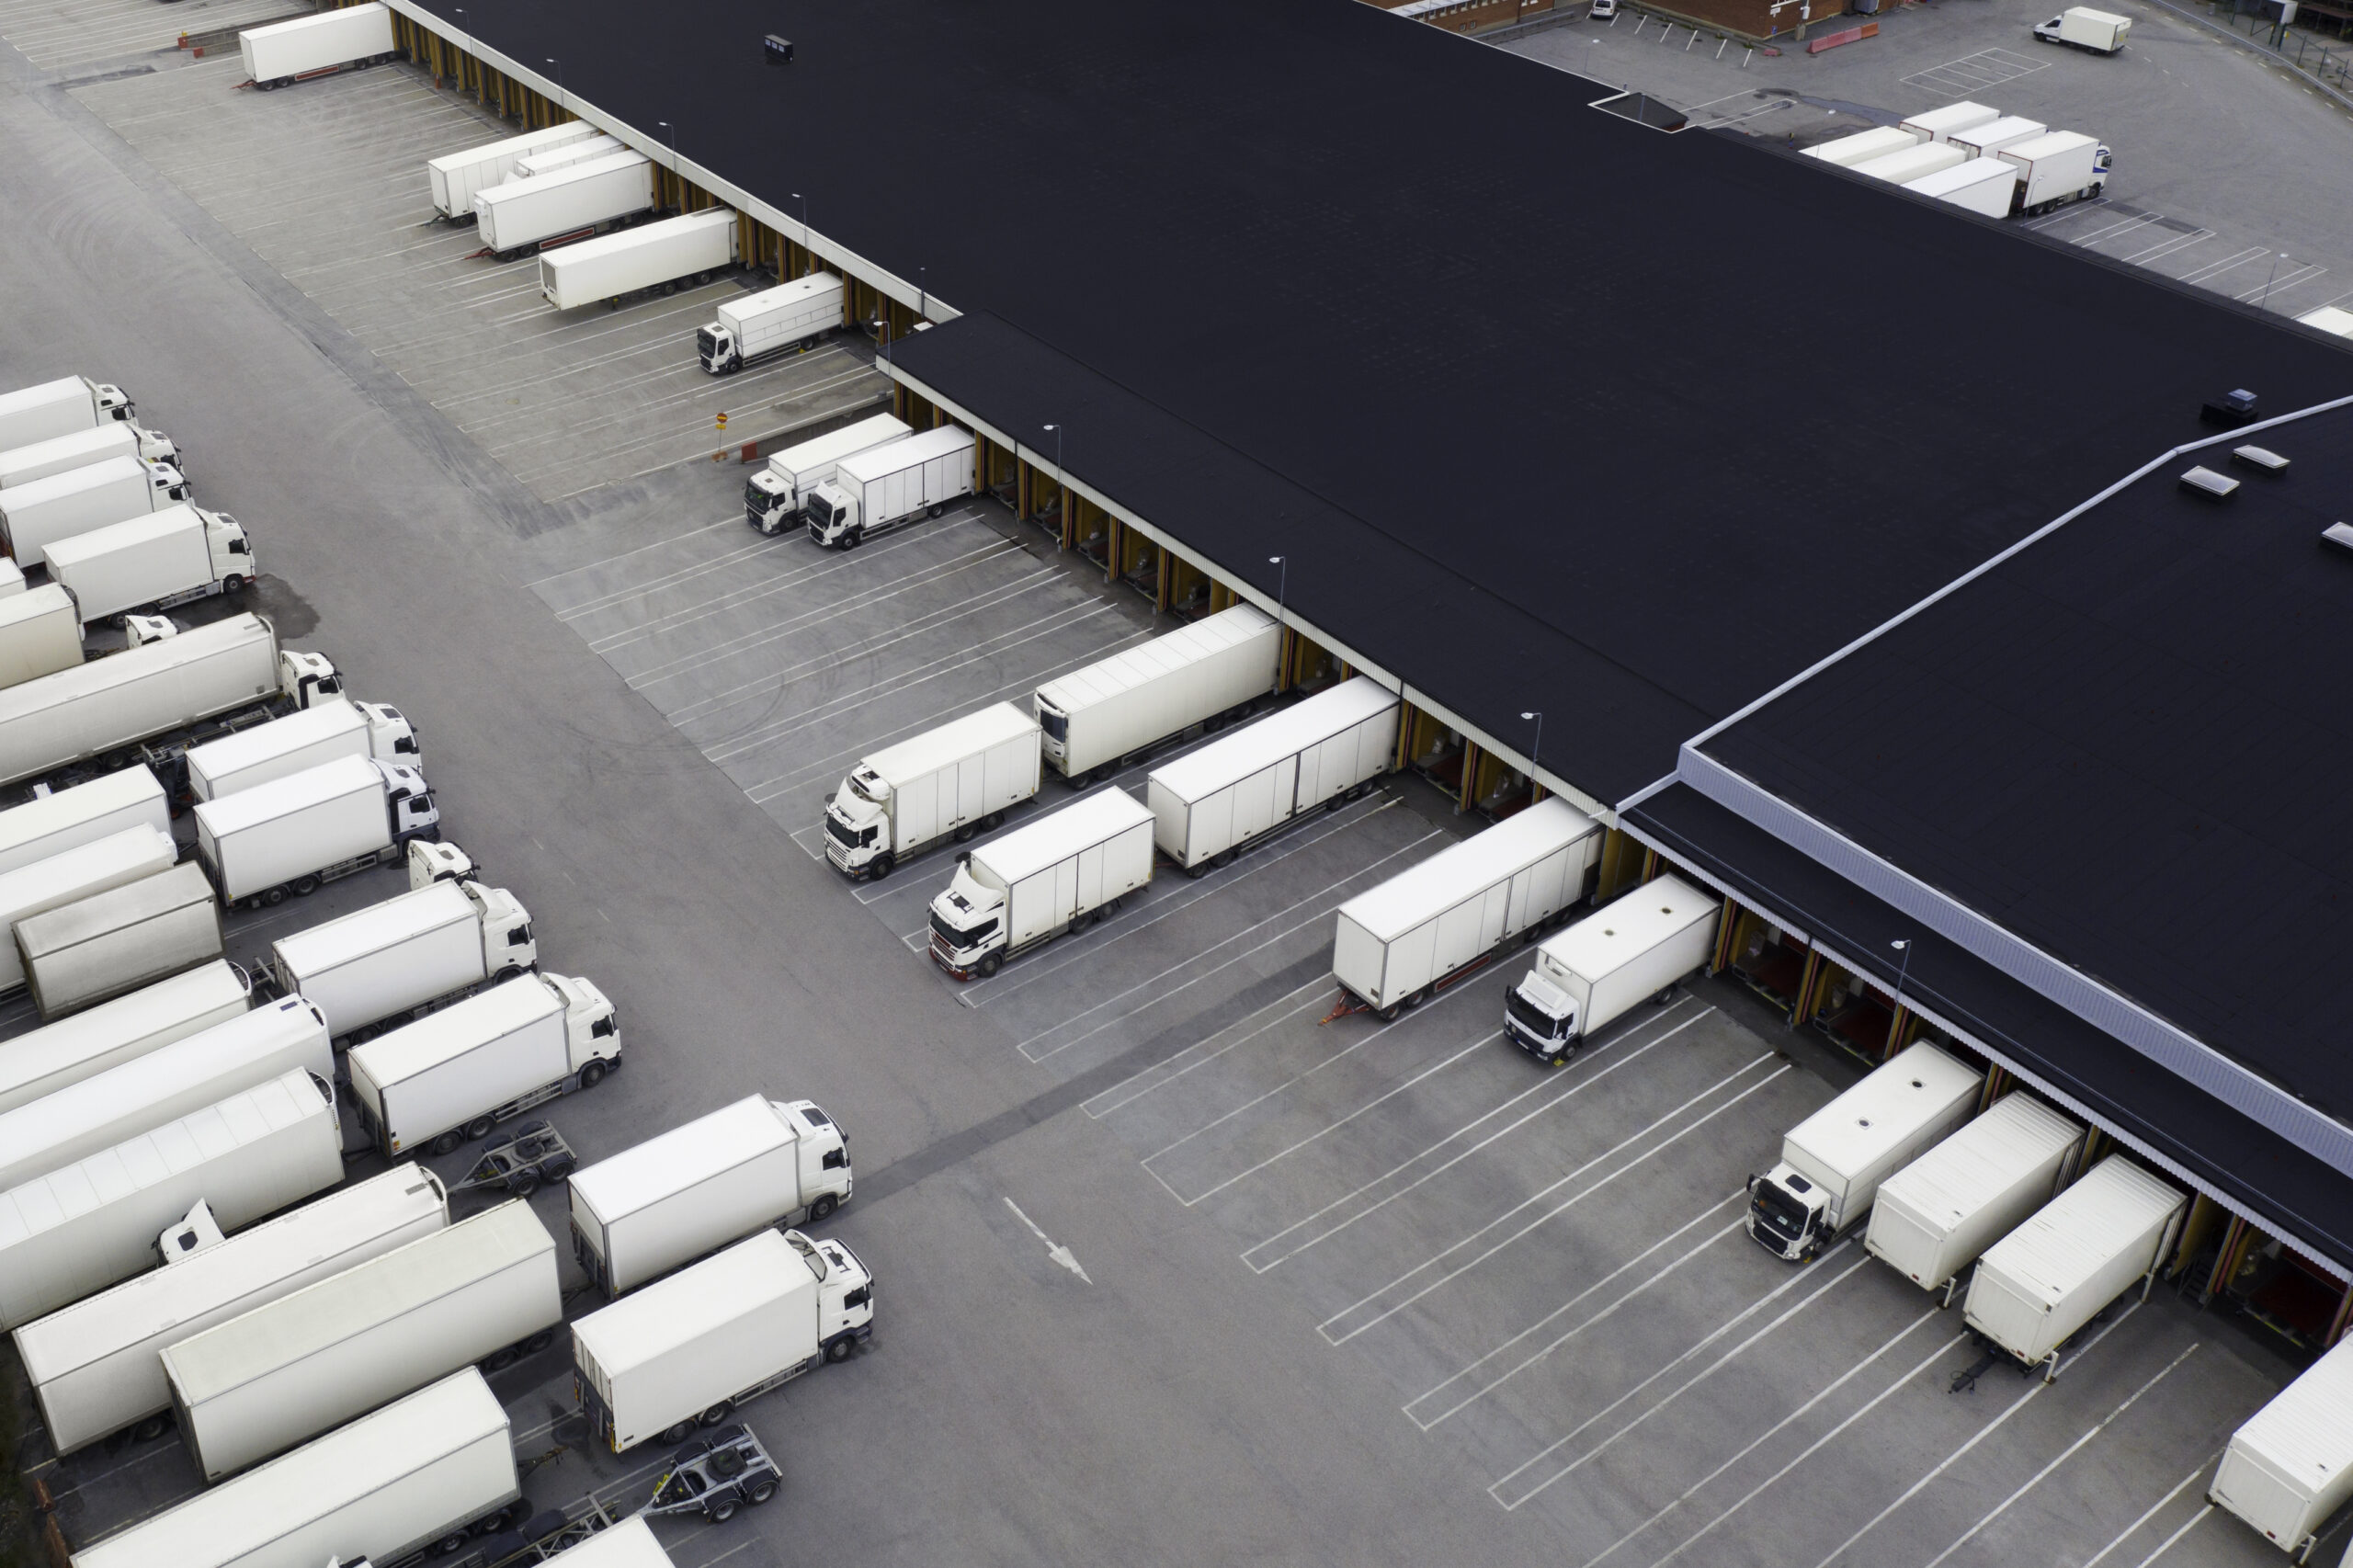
[284,51]
[2059,165]
[46,1060]
[605,268]
[1986,186]
[40,633]
[1128,701]
[1603,965]
[1864,145]
[1984,141]
[644,1211]
[456,178]
[58,408]
[37,515]
[1077,858]
[277,749]
[83,1227]
[2103,32]
[127,697]
[98,948]
[1429,921]
[116,861]
[451,1066]
[291,827]
[396,955]
[950,777]
[288,1370]
[920,473]
[387,1484]
[1912,162]
[2291,1465]
[548,160]
[1254,780]
[82,814]
[1938,124]
[814,460]
[1901,1109]
[1936,1215]
[96,1365]
[2046,1279]
[171,554]
[529,211]
[22,465]
[171,1081]
[791,312]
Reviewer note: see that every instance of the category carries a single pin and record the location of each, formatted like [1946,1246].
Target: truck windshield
[1782,1214]
[706,342]
[962,939]
[821,512]
[1056,724]
[1530,1017]
[755,497]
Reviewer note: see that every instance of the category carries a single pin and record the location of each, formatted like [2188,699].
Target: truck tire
[881,866]
[992,821]
[232,586]
[761,1493]
[479,1128]
[1390,1013]
[592,1074]
[713,1417]
[822,1208]
[274,897]
[964,833]
[538,1342]
[303,887]
[678,1433]
[523,1184]
[935,508]
[447,1544]
[447,1144]
[727,1463]
[990,964]
[154,1426]
[841,1349]
[720,1509]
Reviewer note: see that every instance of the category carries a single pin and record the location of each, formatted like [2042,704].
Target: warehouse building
[1238,309]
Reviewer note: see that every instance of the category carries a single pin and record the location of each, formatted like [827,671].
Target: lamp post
[558,83]
[1282,631]
[674,162]
[1902,970]
[1535,752]
[923,293]
[2277,257]
[1062,491]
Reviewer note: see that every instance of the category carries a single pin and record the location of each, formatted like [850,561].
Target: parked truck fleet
[775,320]
[41,512]
[63,407]
[1980,160]
[693,247]
[948,783]
[776,496]
[79,448]
[456,1074]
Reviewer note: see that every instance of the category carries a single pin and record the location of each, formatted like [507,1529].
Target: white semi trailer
[690,249]
[1398,944]
[885,487]
[52,823]
[691,1190]
[59,408]
[40,633]
[94,1223]
[1063,872]
[345,39]
[2036,1287]
[116,861]
[790,315]
[696,1347]
[423,1473]
[286,745]
[1847,152]
[1936,1215]
[458,178]
[454,1074]
[572,203]
[1988,187]
[58,454]
[1984,141]
[37,515]
[50,1059]
[110,943]
[952,781]
[293,834]
[155,562]
[96,1367]
[778,493]
[2054,169]
[1940,124]
[2291,1466]
[548,160]
[1212,804]
[395,960]
[1210,673]
[1833,1162]
[1593,973]
[482,1290]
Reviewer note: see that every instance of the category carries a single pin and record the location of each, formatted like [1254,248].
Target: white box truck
[690,249]
[696,1347]
[1063,872]
[2036,1287]
[777,493]
[454,1074]
[1846,152]
[40,633]
[397,960]
[49,1059]
[790,315]
[569,204]
[114,861]
[1912,162]
[37,515]
[1984,141]
[153,563]
[1833,1162]
[458,178]
[2080,27]
[96,1367]
[98,948]
[1396,945]
[292,833]
[430,1471]
[1214,803]
[2056,168]
[549,159]
[1934,1217]
[283,746]
[58,454]
[1593,973]
[482,1290]
[155,694]
[345,39]
[955,781]
[50,824]
[59,408]
[94,1223]
[689,1191]
[1984,185]
[166,1084]
[878,490]
[2291,1466]
[1938,124]
[1210,673]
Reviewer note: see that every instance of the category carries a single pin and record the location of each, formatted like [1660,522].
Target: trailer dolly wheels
[722,1510]
[840,1349]
[727,1463]
[822,1208]
[761,1493]
[525,1184]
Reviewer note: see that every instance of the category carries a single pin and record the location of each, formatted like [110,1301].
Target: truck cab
[768,501]
[844,1294]
[717,349]
[165,481]
[968,934]
[508,946]
[111,402]
[231,553]
[156,447]
[1540,1016]
[391,737]
[414,813]
[307,679]
[833,515]
[1789,1215]
[431,861]
[591,1028]
[858,823]
[824,1172]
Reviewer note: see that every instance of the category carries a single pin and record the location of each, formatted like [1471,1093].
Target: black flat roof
[1547,409]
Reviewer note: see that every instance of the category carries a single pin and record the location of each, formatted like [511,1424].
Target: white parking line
[802,568]
[2174,1539]
[2152,254]
[1159,1072]
[2129,1531]
[2218,269]
[2285,280]
[735,520]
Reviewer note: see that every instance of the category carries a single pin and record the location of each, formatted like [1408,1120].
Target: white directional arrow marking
[1061,1255]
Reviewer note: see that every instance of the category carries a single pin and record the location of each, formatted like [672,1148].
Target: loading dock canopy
[1564,420]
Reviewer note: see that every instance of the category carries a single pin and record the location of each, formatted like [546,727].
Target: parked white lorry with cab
[345,39]
[110,943]
[778,493]
[293,834]
[40,633]
[2080,27]
[423,1474]
[1934,1217]
[1210,673]
[155,562]
[96,1365]
[880,489]
[62,454]
[1063,872]
[1833,1162]
[1597,971]
[39,514]
[953,781]
[457,178]
[2056,168]
[774,321]
[114,861]
[680,1195]
[666,256]
[52,1058]
[2036,1287]
[454,1074]
[2289,1467]
[482,1290]
[281,747]
[61,407]
[393,961]
[694,1348]
[1214,803]
[572,203]
[1398,944]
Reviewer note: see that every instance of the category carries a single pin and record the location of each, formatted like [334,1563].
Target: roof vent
[2261,458]
[2206,482]
[779,50]
[2340,535]
[2231,410]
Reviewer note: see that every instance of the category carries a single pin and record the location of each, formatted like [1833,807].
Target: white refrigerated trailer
[2036,1287]
[1934,1217]
[293,834]
[1212,804]
[116,861]
[458,178]
[59,408]
[396,959]
[40,633]
[777,494]
[98,948]
[114,439]
[790,315]
[344,40]
[2291,1466]
[1988,187]
[50,1058]
[153,563]
[1209,673]
[52,823]
[284,746]
[1596,972]
[572,203]
[454,1074]
[37,515]
[692,248]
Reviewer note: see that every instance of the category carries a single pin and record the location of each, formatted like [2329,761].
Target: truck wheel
[147,1431]
[715,1415]
[881,866]
[447,1544]
[841,1349]
[556,1170]
[447,1144]
[679,1433]
[479,1128]
[232,586]
[1418,997]
[992,821]
[935,508]
[592,1074]
[761,1493]
[538,1342]
[964,833]
[721,1509]
[1198,870]
[499,1360]
[274,897]
[1389,1015]
[524,1184]
[305,886]
[990,964]
[822,1208]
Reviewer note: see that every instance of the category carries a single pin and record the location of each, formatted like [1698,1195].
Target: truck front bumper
[941,956]
[1551,1053]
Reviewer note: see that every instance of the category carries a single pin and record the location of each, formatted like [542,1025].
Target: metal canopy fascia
[1044,463]
[657,149]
